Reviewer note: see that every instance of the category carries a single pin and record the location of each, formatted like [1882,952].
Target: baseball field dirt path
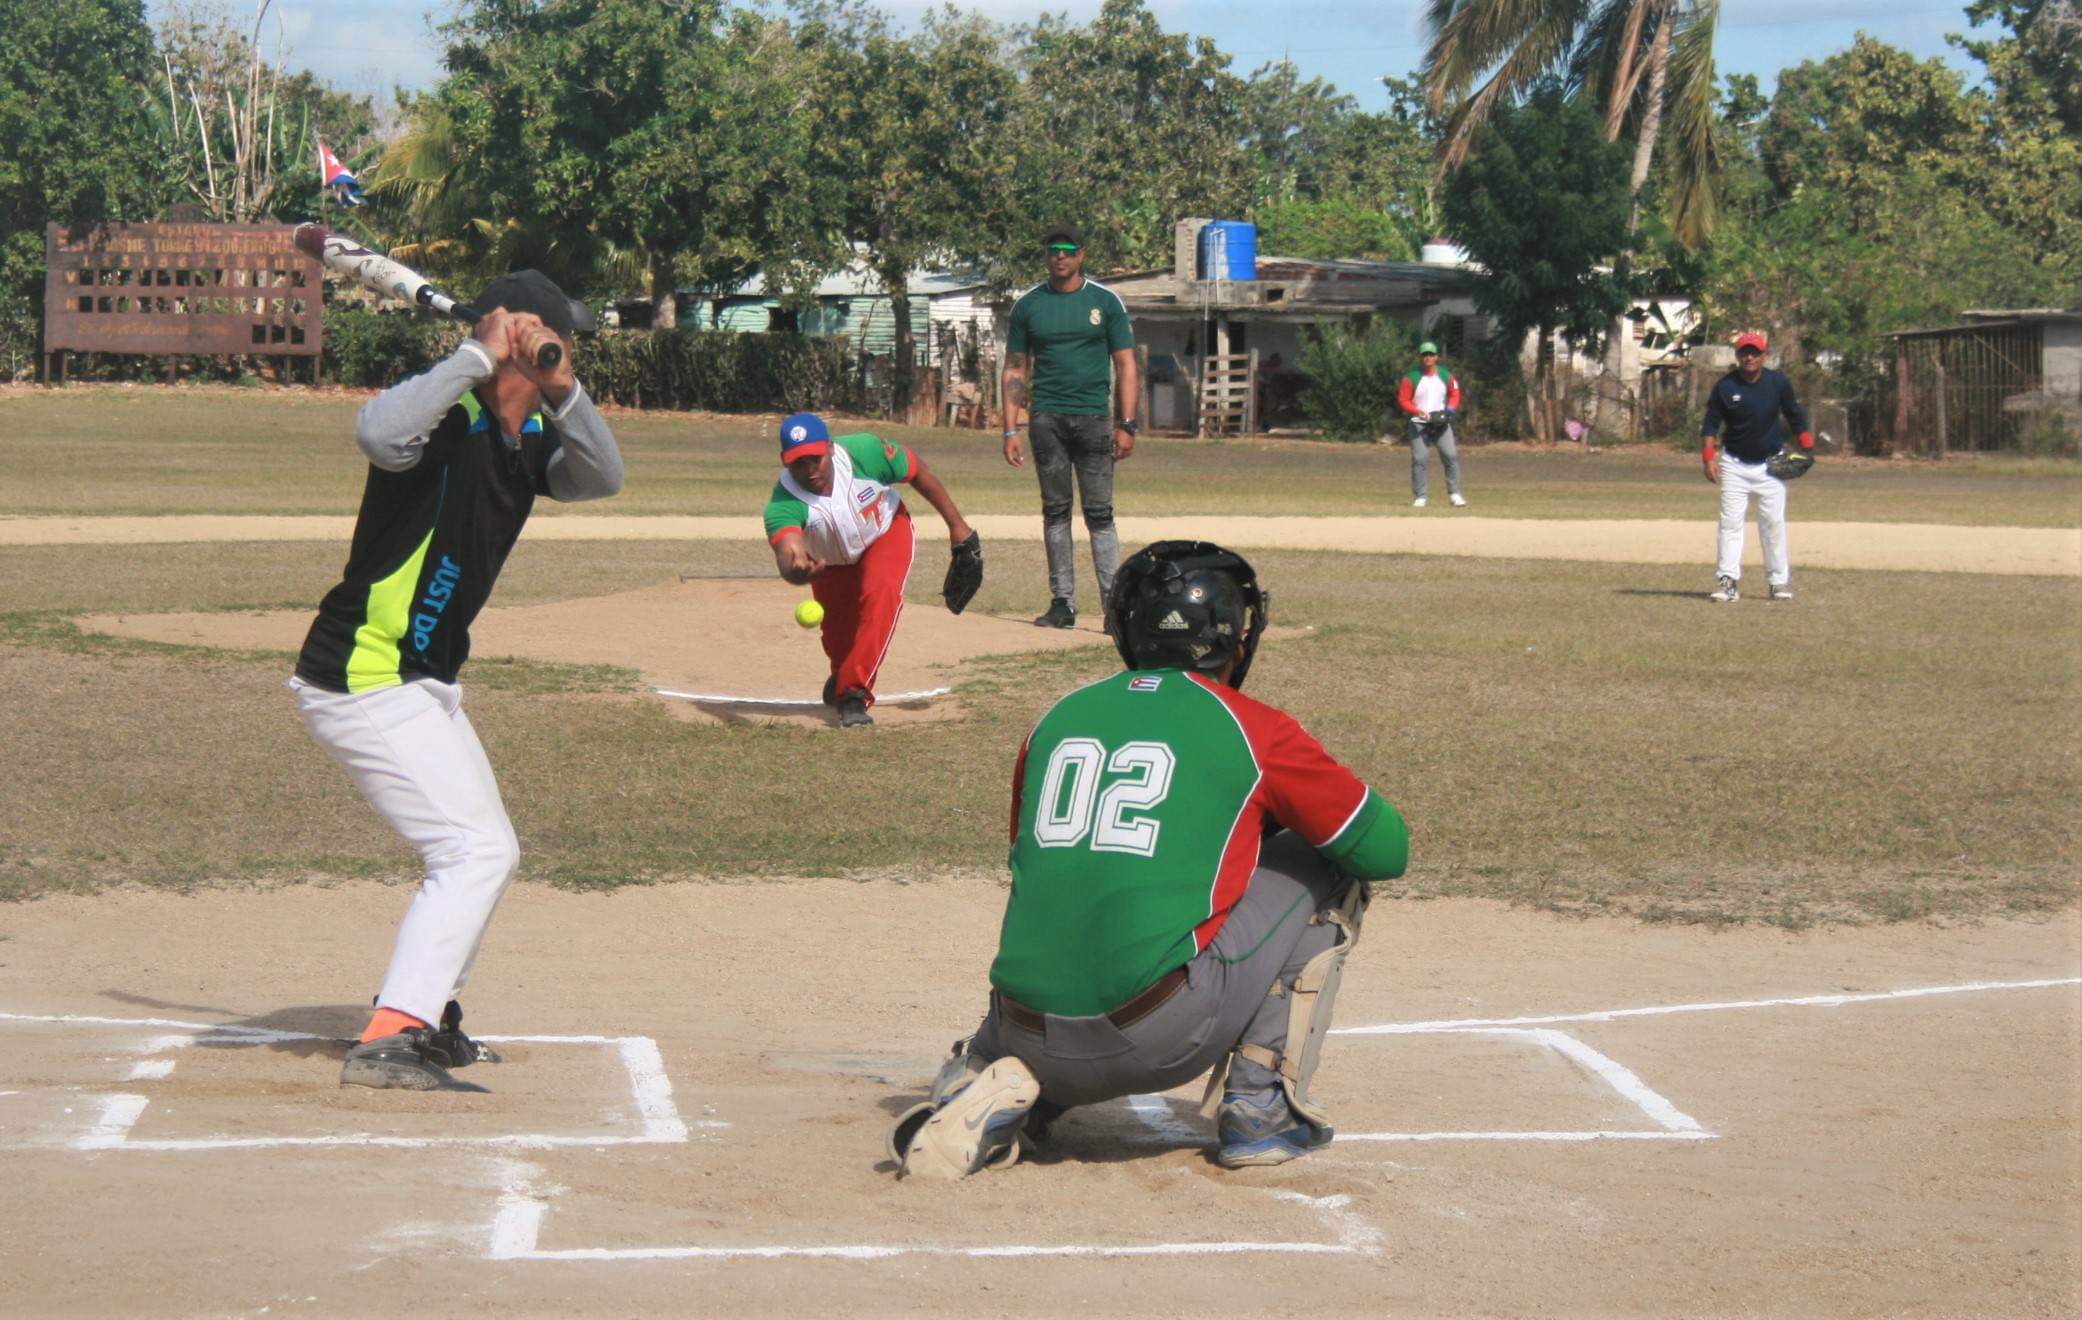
[1548,1117]
[1893,547]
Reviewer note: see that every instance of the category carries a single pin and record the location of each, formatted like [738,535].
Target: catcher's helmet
[1188,605]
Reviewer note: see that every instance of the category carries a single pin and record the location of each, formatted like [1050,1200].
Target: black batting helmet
[1188,605]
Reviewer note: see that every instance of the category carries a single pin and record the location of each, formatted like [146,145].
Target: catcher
[1749,401]
[1189,868]
[836,522]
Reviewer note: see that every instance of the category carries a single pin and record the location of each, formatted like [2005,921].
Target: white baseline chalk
[517,1226]
[1613,1014]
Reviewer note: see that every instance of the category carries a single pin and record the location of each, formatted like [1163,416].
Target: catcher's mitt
[1787,465]
[964,574]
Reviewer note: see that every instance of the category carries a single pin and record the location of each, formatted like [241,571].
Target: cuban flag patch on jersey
[1145,683]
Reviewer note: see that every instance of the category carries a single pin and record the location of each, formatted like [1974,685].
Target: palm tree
[1644,61]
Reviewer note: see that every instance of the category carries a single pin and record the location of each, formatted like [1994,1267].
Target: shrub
[717,370]
[1353,376]
[378,349]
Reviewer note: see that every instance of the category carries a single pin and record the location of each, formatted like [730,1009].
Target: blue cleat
[1253,1135]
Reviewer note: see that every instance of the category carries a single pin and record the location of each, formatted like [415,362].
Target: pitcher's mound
[732,643]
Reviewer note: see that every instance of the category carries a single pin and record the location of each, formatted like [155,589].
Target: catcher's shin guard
[1309,1004]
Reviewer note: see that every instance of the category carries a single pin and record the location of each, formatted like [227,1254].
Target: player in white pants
[1748,402]
[457,457]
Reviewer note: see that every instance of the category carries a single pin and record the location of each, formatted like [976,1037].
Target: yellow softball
[809,614]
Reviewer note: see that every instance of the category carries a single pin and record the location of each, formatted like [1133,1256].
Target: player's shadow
[311,1030]
[1651,591]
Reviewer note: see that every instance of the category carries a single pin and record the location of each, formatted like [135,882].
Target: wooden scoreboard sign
[180,290]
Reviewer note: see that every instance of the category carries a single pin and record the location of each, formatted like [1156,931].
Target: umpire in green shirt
[1068,335]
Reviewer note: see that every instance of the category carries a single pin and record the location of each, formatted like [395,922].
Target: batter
[1189,868]
[456,459]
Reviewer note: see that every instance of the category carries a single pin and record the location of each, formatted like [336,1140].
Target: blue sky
[371,45]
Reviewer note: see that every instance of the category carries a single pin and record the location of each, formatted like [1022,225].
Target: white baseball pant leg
[413,754]
[1739,481]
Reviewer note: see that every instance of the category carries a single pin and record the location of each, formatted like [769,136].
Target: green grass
[148,450]
[1573,737]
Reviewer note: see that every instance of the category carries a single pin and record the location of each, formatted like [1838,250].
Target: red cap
[1749,339]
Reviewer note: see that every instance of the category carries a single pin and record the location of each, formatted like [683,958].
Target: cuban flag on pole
[336,175]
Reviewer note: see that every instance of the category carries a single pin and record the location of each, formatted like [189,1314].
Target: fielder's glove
[1786,466]
[964,574]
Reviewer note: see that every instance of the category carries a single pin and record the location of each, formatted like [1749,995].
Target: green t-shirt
[1073,337]
[1139,805]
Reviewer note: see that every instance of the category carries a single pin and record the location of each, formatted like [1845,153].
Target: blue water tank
[1229,250]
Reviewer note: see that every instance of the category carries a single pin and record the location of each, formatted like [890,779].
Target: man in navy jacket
[1749,401]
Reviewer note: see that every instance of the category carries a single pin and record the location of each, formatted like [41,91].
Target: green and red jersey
[1424,391]
[841,524]
[1139,804]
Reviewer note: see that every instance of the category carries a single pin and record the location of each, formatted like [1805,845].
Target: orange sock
[388,1022]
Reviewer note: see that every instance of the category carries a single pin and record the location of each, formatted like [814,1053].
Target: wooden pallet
[1229,394]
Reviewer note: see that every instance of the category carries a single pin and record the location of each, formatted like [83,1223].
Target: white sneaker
[974,1127]
[1456,501]
[1781,591]
[1417,503]
[1725,591]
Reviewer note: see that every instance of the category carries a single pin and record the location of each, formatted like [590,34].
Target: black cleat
[853,713]
[1061,614]
[403,1062]
[831,690]
[450,1048]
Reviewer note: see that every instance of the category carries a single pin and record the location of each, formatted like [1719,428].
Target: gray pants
[1420,461]
[1223,1004]
[1068,445]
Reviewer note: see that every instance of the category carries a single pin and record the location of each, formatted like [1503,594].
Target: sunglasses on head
[1064,247]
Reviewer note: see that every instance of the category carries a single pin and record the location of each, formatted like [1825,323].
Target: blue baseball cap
[804,436]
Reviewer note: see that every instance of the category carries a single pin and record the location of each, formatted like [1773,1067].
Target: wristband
[1807,440]
[1009,434]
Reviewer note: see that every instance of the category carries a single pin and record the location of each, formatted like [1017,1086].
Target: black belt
[1141,1006]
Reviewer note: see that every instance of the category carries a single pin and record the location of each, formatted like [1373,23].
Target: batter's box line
[1671,1123]
[650,1088]
[516,1232]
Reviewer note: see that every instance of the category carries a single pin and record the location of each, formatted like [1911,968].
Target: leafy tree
[914,138]
[1878,192]
[674,130]
[1122,128]
[74,144]
[1647,64]
[1331,230]
[1540,204]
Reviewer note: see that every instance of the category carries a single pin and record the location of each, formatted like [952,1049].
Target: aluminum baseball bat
[394,279]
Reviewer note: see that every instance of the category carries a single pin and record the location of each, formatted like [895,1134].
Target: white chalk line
[1672,1123]
[650,1087]
[1613,1014]
[728,699]
[516,1231]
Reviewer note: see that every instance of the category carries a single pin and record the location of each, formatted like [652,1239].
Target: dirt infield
[1894,547]
[696,1120]
[724,649]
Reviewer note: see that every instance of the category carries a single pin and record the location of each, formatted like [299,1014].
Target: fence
[1949,386]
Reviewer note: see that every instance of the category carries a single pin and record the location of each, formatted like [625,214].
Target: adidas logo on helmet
[1173,622]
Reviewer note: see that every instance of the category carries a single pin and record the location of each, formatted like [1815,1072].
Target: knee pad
[1309,1003]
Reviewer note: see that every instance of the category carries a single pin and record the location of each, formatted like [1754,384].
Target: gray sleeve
[392,428]
[588,464]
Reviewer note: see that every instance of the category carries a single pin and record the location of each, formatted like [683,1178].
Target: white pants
[1739,481]
[414,756]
